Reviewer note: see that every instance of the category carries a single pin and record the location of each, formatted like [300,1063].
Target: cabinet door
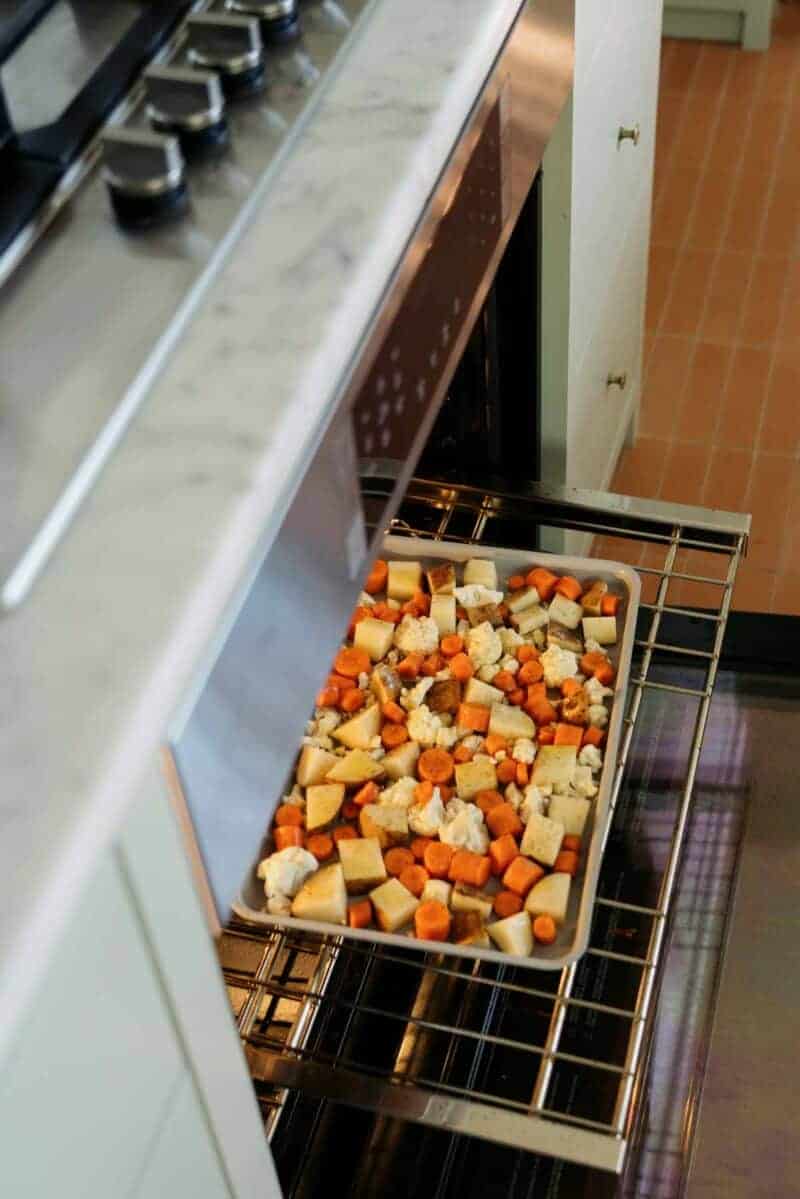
[184,1160]
[84,1091]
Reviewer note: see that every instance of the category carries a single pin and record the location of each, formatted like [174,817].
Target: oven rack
[494,1052]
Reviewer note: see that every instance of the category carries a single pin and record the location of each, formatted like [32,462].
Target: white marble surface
[99,656]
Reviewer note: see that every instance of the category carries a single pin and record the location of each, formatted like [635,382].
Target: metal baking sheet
[574,935]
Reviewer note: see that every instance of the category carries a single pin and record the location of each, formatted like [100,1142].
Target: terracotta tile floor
[720,416]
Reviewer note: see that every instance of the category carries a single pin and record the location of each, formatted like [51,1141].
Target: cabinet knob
[230,45]
[188,103]
[620,381]
[144,174]
[628,135]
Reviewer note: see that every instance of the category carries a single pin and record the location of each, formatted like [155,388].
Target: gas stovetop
[135,141]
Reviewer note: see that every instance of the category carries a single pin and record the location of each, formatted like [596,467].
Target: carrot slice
[366,794]
[589,663]
[566,862]
[503,819]
[530,672]
[423,792]
[451,645]
[593,736]
[547,735]
[505,680]
[410,666]
[340,682]
[418,847]
[432,665]
[536,691]
[471,868]
[393,712]
[423,601]
[437,859]
[352,700]
[506,770]
[474,717]
[396,860]
[522,776]
[521,875]
[488,799]
[571,842]
[544,930]
[569,587]
[609,605]
[516,583]
[502,853]
[387,612]
[393,735]
[570,687]
[494,743]
[516,697]
[435,766]
[432,921]
[328,697]
[506,903]
[289,813]
[321,845]
[543,580]
[352,662]
[377,577]
[568,734]
[605,674]
[288,835]
[462,754]
[542,711]
[414,877]
[350,809]
[359,914]
[461,668]
[345,832]
[526,653]
[361,612]
[409,608]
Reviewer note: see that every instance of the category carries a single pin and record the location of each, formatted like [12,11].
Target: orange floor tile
[720,413]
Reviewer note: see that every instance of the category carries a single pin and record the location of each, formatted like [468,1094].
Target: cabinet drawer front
[592,22]
[599,413]
[620,92]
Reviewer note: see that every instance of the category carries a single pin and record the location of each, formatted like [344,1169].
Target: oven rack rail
[300,999]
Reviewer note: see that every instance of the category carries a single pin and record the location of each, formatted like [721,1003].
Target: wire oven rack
[552,1064]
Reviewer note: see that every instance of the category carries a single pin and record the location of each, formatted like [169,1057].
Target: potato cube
[565,611]
[513,935]
[469,899]
[374,636]
[442,579]
[477,775]
[564,638]
[322,897]
[362,863]
[530,620]
[388,823]
[554,765]
[602,629]
[323,802]
[358,732]
[438,889]
[401,761]
[511,723]
[444,696]
[570,810]
[483,613]
[404,579]
[542,839]
[355,767]
[521,601]
[443,611]
[481,570]
[386,683]
[313,765]
[394,905]
[549,897]
[468,928]
[591,600]
[482,693]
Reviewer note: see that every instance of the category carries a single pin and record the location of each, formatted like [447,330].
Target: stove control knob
[188,103]
[144,174]
[231,46]
[280,21]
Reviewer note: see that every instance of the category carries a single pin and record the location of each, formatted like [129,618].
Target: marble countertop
[98,657]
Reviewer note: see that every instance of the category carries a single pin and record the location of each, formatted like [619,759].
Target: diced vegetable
[475,776]
[521,875]
[323,802]
[358,732]
[404,578]
[477,692]
[375,637]
[571,811]
[550,897]
[443,611]
[442,578]
[542,839]
[322,897]
[555,765]
[359,914]
[510,723]
[394,905]
[387,822]
[376,579]
[355,767]
[402,761]
[468,928]
[362,864]
[564,611]
[470,899]
[602,629]
[432,921]
[313,765]
[482,571]
[513,935]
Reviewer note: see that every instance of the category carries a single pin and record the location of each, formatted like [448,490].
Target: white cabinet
[184,1160]
[596,230]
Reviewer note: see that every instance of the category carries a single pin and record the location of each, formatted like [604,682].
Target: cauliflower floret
[446,737]
[598,716]
[510,664]
[484,645]
[500,755]
[582,781]
[523,750]
[596,691]
[377,753]
[593,647]
[365,600]
[455,806]
[425,819]
[533,803]
[423,725]
[462,628]
[400,794]
[285,872]
[590,756]
[442,674]
[558,664]
[475,595]
[466,830]
[417,635]
[514,796]
[473,742]
[363,680]
[414,696]
[327,722]
[375,742]
[393,603]
[511,640]
[320,742]
[486,673]
[279,905]
[295,798]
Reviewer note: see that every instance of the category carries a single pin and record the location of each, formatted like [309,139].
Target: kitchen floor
[720,416]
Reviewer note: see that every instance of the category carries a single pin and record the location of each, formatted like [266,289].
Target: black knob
[280,20]
[145,177]
[188,103]
[231,46]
